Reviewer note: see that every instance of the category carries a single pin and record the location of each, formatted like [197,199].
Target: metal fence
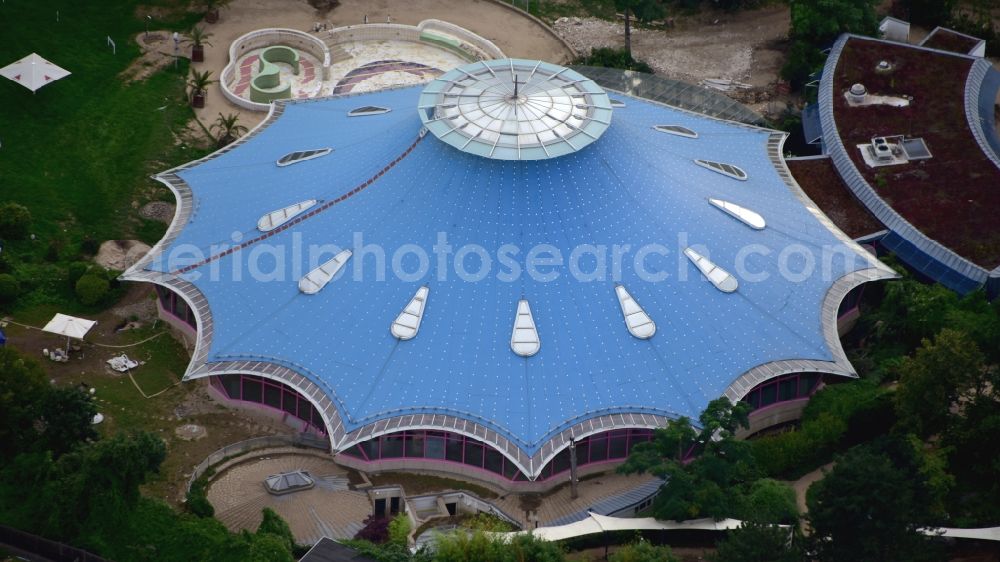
[236,449]
[43,547]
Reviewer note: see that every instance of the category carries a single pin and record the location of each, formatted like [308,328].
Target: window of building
[269,393]
[781,389]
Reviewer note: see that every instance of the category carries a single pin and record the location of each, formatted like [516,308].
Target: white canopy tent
[69,326]
[595,523]
[33,72]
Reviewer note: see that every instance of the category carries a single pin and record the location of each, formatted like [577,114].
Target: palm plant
[212,8]
[198,84]
[228,128]
[198,38]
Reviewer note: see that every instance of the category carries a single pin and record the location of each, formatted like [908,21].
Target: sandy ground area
[744,46]
[515,34]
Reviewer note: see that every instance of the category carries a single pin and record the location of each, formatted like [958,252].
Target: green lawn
[79,151]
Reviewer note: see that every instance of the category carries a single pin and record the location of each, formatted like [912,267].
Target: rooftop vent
[274,219]
[639,323]
[857,93]
[883,66]
[719,277]
[408,322]
[881,149]
[315,280]
[524,339]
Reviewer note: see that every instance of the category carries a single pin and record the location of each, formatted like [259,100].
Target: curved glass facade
[270,394]
[444,447]
[782,389]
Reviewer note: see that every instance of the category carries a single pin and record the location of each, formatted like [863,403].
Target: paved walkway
[558,505]
[328,510]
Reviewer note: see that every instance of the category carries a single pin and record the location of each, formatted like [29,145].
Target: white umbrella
[69,326]
[33,72]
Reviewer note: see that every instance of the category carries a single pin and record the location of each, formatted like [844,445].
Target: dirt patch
[119,255]
[158,211]
[744,46]
[157,49]
[191,432]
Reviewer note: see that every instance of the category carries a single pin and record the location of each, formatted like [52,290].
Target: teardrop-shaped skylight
[734,172]
[315,280]
[408,322]
[524,339]
[302,156]
[638,322]
[742,214]
[617,103]
[274,219]
[677,130]
[368,110]
[719,277]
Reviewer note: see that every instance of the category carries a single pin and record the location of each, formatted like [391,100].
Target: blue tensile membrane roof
[390,192]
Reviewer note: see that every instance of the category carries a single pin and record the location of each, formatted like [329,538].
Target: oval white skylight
[677,130]
[734,172]
[302,156]
[368,110]
[408,322]
[742,214]
[524,339]
[639,323]
[719,277]
[274,219]
[315,280]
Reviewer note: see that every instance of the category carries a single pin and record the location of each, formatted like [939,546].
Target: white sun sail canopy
[69,326]
[33,72]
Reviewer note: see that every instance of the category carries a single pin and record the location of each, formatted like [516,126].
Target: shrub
[89,246]
[15,221]
[399,529]
[272,524]
[376,530]
[614,58]
[197,499]
[76,270]
[643,551]
[91,289]
[9,287]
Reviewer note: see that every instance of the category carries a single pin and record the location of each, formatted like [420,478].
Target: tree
[91,289]
[932,381]
[460,546]
[66,416]
[758,542]
[815,25]
[820,23]
[15,221]
[929,13]
[770,501]
[643,551]
[9,288]
[644,10]
[272,524]
[228,128]
[22,388]
[869,507]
